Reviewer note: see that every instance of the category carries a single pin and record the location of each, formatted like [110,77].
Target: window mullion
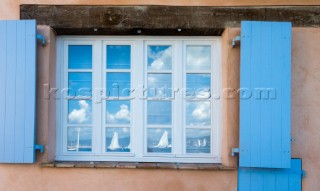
[178,99]
[97,135]
[137,83]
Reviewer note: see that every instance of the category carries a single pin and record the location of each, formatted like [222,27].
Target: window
[143,99]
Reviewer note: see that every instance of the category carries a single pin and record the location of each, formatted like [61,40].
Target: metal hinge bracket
[303,173]
[235,40]
[41,37]
[235,151]
[39,147]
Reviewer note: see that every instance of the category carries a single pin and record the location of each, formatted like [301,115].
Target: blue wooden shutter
[260,179]
[265,69]
[18,91]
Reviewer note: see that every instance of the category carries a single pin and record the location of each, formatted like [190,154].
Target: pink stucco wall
[306,103]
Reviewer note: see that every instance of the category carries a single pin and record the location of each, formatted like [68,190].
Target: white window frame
[138,72]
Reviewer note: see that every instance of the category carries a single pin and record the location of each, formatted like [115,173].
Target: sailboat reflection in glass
[79,139]
[118,140]
[198,141]
[159,140]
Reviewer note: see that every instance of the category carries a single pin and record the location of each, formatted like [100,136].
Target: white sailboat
[74,144]
[204,143]
[114,142]
[164,141]
[199,143]
[78,140]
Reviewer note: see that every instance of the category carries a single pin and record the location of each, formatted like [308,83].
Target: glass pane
[159,140]
[198,113]
[80,84]
[79,111]
[79,139]
[118,56]
[159,57]
[80,57]
[198,141]
[118,112]
[118,84]
[159,85]
[118,140]
[159,112]
[198,57]
[198,86]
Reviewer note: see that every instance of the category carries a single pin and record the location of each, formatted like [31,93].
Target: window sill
[137,165]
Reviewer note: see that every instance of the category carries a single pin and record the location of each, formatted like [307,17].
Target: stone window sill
[137,165]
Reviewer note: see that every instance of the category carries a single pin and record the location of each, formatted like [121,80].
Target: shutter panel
[262,179]
[265,78]
[18,86]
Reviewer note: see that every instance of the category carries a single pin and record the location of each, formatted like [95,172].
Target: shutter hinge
[235,151]
[235,40]
[41,37]
[39,147]
[303,173]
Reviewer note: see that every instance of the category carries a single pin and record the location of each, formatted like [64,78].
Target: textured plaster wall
[34,178]
[9,9]
[306,103]
[230,101]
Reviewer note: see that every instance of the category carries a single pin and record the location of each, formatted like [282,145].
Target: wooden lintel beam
[161,20]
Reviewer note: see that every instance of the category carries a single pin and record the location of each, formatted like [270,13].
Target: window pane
[118,84]
[198,113]
[80,56]
[118,56]
[198,57]
[80,84]
[159,57]
[79,111]
[159,85]
[79,139]
[198,141]
[159,140]
[198,86]
[118,140]
[159,112]
[118,112]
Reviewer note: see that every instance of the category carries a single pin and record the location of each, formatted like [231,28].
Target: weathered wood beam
[161,20]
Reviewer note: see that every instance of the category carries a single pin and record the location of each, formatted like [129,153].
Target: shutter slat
[245,109]
[255,70]
[265,74]
[269,181]
[3,46]
[266,107]
[10,91]
[286,98]
[20,92]
[282,181]
[257,181]
[276,103]
[17,81]
[30,82]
